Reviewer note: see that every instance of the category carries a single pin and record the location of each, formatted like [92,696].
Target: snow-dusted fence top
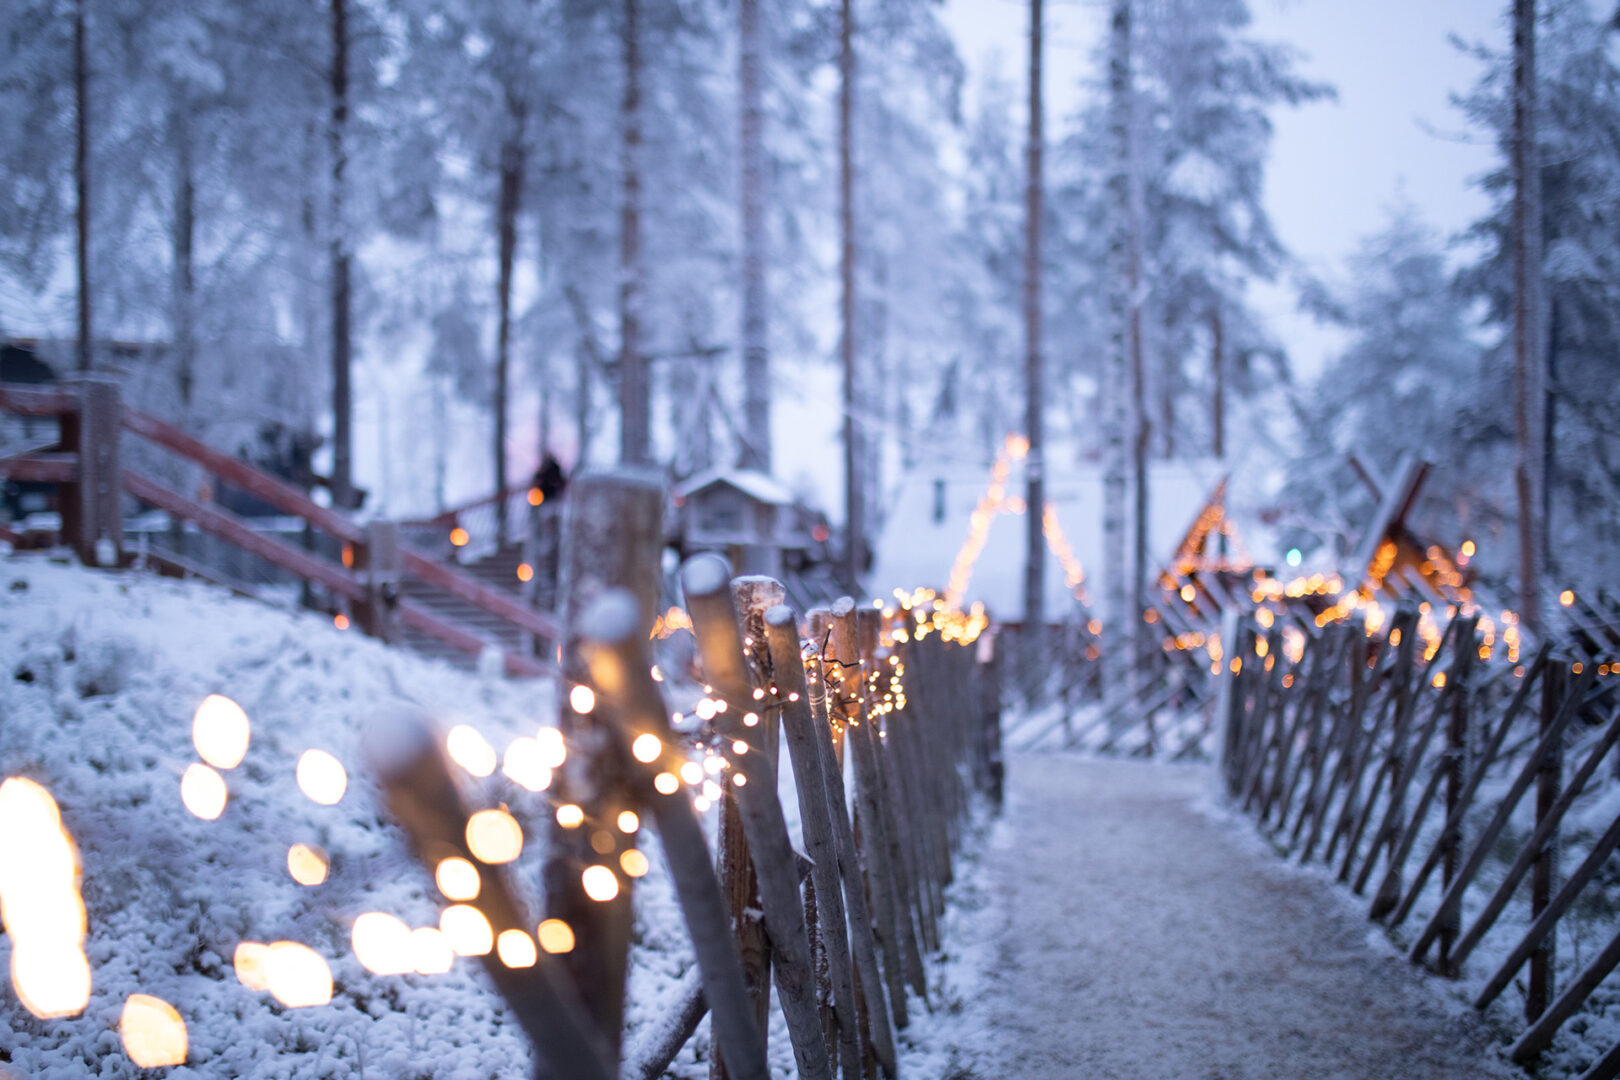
[1388,758]
[372,560]
[839,929]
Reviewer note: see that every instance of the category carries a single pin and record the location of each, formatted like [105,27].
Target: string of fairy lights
[45,915]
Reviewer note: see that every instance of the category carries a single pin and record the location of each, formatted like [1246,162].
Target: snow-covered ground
[1121,924]
[101,676]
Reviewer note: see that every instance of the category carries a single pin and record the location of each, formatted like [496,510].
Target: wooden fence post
[1554,687]
[408,758]
[92,514]
[377,562]
[615,648]
[615,534]
[740,880]
[816,811]
[872,1010]
[706,579]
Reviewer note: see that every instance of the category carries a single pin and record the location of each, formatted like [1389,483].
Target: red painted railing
[92,421]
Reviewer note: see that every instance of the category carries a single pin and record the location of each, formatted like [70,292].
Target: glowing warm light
[570,816]
[322,777]
[666,783]
[628,821]
[692,772]
[341,621]
[516,949]
[556,936]
[298,975]
[706,709]
[494,837]
[739,779]
[525,572]
[582,699]
[431,953]
[307,864]
[1567,597]
[601,884]
[714,765]
[739,747]
[525,764]
[470,750]
[203,791]
[646,748]
[459,537]
[468,932]
[382,944]
[701,804]
[634,863]
[536,496]
[1188,593]
[1439,680]
[219,731]
[711,790]
[752,719]
[153,1034]
[251,960]
[457,878]
[552,748]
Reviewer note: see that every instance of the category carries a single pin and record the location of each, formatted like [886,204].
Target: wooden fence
[1399,763]
[372,559]
[840,929]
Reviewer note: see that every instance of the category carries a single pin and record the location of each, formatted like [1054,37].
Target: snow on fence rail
[1402,767]
[365,578]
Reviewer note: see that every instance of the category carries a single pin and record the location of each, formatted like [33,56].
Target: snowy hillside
[102,676]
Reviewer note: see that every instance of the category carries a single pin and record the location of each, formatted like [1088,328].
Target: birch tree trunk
[756,426]
[1034,482]
[338,247]
[512,163]
[854,495]
[635,408]
[81,177]
[1528,341]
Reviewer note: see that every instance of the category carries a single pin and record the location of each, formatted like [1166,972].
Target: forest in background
[540,216]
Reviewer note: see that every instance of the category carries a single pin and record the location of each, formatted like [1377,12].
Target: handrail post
[377,562]
[92,514]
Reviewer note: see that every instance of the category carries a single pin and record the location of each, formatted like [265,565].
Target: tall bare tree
[512,162]
[756,427]
[1034,490]
[635,406]
[1122,385]
[854,493]
[81,177]
[1529,344]
[339,256]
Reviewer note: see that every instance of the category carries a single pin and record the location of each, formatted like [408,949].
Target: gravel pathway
[1137,935]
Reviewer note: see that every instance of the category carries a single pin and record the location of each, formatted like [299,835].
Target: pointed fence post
[615,535]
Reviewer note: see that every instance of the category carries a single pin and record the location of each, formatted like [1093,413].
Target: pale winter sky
[1336,168]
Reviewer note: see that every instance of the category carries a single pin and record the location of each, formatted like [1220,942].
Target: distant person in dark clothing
[549,479]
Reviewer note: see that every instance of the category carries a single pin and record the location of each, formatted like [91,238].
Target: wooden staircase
[498,571]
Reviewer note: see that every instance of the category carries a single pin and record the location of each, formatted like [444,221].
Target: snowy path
[1139,937]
